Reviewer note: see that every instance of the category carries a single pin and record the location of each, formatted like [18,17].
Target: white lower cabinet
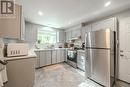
[48,57]
[42,58]
[62,58]
[37,63]
[54,56]
[81,60]
[65,55]
[60,55]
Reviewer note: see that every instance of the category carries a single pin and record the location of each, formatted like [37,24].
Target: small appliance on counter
[16,49]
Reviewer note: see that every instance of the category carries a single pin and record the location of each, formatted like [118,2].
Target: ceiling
[65,13]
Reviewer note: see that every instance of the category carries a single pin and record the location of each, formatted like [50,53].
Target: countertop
[31,54]
[81,51]
[50,49]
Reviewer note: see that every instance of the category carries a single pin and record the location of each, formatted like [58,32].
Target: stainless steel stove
[72,58]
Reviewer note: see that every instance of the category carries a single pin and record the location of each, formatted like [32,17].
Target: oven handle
[3,62]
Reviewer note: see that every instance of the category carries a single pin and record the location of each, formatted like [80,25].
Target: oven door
[72,56]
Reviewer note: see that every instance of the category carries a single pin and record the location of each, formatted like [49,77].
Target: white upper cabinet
[68,36]
[108,23]
[84,30]
[60,36]
[12,27]
[76,33]
[73,33]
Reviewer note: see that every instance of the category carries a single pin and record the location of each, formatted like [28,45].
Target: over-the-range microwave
[16,49]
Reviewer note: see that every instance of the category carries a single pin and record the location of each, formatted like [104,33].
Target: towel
[3,72]
[1,81]
[3,76]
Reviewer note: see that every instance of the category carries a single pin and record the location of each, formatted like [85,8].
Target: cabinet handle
[121,50]
[121,55]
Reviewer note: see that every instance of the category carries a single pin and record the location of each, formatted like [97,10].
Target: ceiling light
[107,4]
[40,13]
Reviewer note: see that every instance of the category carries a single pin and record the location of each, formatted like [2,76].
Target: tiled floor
[63,75]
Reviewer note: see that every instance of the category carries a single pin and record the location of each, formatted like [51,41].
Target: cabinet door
[70,35]
[42,58]
[65,55]
[61,37]
[21,73]
[84,30]
[77,32]
[37,59]
[54,56]
[62,57]
[11,27]
[81,60]
[48,57]
[58,56]
[108,23]
[67,36]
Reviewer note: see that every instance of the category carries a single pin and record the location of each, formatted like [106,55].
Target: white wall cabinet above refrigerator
[108,23]
[103,24]
[13,27]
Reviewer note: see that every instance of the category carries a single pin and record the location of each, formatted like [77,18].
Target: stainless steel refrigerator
[100,56]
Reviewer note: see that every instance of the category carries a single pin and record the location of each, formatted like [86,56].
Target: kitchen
[65,44]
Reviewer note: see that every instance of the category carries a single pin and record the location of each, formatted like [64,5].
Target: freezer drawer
[100,66]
